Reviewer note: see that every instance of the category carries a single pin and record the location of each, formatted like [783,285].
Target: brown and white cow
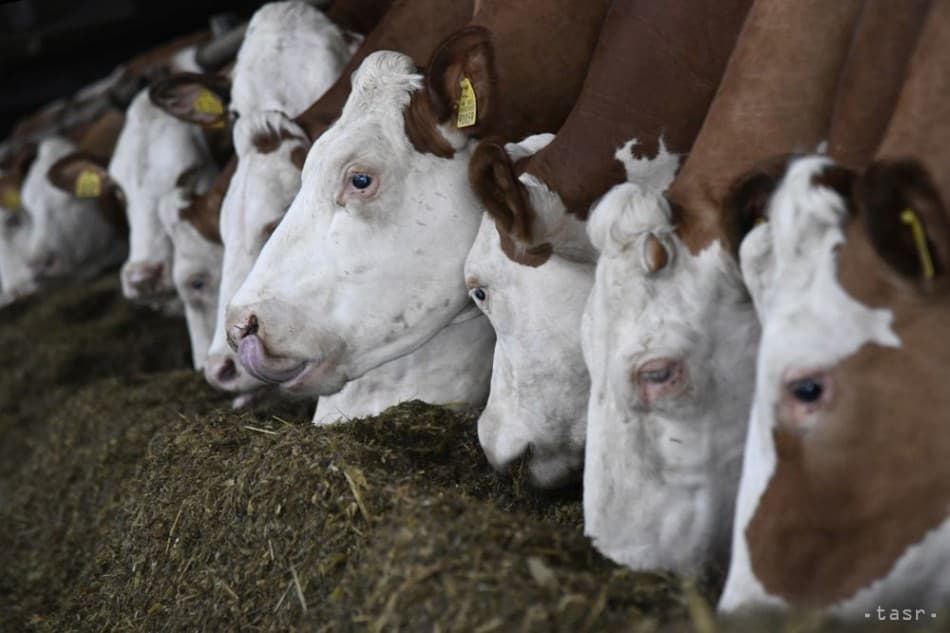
[16,279]
[540,202]
[669,333]
[384,218]
[844,502]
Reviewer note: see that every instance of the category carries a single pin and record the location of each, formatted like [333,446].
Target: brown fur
[871,78]
[532,257]
[420,126]
[413,27]
[776,97]
[204,212]
[358,16]
[495,181]
[64,172]
[100,139]
[176,96]
[654,73]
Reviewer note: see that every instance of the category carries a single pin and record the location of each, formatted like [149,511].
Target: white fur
[16,279]
[290,55]
[660,478]
[808,321]
[153,150]
[195,261]
[350,288]
[72,230]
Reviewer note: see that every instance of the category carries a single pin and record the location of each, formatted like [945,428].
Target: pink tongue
[257,363]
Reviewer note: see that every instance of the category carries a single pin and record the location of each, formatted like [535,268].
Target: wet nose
[144,279]
[43,264]
[246,324]
[220,372]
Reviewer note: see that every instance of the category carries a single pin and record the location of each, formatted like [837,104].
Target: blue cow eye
[479,294]
[807,390]
[361,181]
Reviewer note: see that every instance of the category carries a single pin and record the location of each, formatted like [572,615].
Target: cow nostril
[226,372]
[251,327]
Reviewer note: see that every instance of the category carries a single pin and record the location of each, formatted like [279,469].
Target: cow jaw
[383,271]
[669,342]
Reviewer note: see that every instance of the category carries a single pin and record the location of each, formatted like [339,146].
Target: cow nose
[244,326]
[145,279]
[42,264]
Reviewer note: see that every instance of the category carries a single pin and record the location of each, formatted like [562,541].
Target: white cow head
[16,278]
[271,150]
[669,337]
[844,497]
[155,154]
[539,385]
[196,270]
[367,265]
[70,235]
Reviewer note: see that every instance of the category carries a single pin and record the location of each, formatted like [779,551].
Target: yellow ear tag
[920,241]
[468,104]
[88,184]
[210,104]
[11,199]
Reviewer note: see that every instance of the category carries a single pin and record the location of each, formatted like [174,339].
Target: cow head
[16,278]
[156,153]
[381,229]
[669,337]
[271,150]
[844,492]
[68,199]
[539,385]
[196,266]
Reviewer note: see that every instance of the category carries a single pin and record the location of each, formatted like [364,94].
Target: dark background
[51,48]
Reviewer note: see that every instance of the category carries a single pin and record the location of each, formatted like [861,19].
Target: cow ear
[460,80]
[906,219]
[493,179]
[746,205]
[23,160]
[194,97]
[80,175]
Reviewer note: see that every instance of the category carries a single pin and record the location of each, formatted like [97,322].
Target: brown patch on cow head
[466,54]
[194,97]
[422,128]
[83,175]
[870,478]
[204,211]
[14,168]
[494,180]
[269,140]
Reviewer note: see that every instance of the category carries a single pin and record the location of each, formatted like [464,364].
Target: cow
[16,279]
[366,199]
[271,148]
[540,202]
[669,333]
[843,502]
[290,55]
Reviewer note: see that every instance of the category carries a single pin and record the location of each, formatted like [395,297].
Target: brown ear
[193,97]
[747,202]
[23,160]
[905,218]
[81,175]
[465,57]
[493,179]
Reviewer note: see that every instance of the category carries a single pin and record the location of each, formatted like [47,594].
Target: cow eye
[197,283]
[660,379]
[12,220]
[479,294]
[361,181]
[807,390]
[657,376]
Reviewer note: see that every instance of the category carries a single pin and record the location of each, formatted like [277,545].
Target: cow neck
[160,56]
[918,128]
[870,82]
[204,211]
[358,16]
[776,97]
[635,90]
[542,50]
[100,138]
[413,27]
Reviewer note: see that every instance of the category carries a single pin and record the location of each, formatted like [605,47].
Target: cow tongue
[263,367]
